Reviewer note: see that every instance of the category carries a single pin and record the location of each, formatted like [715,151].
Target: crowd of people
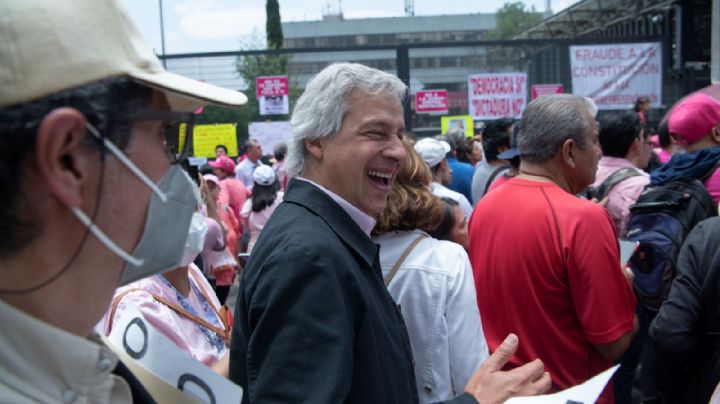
[381,268]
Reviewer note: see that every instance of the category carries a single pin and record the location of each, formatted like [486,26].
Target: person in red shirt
[546,263]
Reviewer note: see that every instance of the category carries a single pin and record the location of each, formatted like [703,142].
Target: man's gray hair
[320,110]
[550,120]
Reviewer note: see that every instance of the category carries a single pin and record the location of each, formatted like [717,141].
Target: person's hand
[490,385]
[603,202]
[222,367]
[629,275]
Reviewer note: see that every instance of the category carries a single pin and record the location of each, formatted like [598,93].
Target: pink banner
[271,86]
[431,101]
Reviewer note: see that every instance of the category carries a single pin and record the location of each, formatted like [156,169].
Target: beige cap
[48,46]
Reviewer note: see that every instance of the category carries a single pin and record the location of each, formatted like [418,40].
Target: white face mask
[195,240]
[172,204]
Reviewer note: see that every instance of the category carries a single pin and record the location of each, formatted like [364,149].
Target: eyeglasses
[178,127]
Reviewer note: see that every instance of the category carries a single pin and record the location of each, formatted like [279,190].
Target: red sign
[431,101]
[537,90]
[271,86]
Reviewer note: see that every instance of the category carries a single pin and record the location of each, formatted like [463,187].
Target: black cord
[72,259]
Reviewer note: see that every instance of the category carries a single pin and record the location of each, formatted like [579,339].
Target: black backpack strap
[494,175]
[615,178]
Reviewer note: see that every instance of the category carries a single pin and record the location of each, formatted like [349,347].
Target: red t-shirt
[547,268]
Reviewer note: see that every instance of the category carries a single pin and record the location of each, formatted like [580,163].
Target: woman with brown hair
[432,281]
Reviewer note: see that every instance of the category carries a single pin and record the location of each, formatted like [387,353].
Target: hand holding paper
[489,384]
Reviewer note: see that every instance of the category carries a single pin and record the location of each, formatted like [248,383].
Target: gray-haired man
[314,321]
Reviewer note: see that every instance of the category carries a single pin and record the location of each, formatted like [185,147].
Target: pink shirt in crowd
[233,194]
[180,330]
[256,220]
[713,186]
[622,195]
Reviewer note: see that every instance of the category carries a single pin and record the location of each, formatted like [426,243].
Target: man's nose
[396,151]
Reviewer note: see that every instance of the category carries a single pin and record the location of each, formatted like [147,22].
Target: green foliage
[273,28]
[513,19]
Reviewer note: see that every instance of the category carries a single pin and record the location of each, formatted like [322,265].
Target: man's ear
[569,152]
[715,134]
[59,155]
[315,147]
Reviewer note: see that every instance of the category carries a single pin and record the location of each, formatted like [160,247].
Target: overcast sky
[218,25]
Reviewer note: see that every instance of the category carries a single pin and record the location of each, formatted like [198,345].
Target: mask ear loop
[126,161]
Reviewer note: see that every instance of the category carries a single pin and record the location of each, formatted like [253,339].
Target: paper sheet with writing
[586,393]
[156,353]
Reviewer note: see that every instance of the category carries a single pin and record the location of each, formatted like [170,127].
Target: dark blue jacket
[314,322]
[697,164]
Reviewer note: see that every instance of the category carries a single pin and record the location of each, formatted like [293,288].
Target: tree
[273,28]
[513,19]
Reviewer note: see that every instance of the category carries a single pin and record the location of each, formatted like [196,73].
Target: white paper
[627,249]
[586,393]
[153,351]
[269,134]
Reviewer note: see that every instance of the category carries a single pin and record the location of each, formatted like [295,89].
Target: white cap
[212,178]
[264,175]
[432,151]
[52,46]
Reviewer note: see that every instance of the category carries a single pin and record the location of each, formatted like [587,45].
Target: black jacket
[685,335]
[314,322]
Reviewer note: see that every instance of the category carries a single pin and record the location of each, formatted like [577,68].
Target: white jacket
[434,287]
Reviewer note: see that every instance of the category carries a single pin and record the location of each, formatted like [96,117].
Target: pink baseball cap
[224,163]
[694,117]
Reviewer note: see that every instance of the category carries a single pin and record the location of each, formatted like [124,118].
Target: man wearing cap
[434,153]
[245,168]
[314,321]
[233,193]
[92,195]
[546,263]
[695,123]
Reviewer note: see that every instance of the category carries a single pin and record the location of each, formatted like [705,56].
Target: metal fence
[441,65]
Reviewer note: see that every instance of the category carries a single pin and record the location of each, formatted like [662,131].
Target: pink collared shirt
[622,195]
[365,221]
[180,330]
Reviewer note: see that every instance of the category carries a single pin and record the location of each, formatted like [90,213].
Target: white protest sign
[614,76]
[497,95]
[154,352]
[586,393]
[278,105]
[269,134]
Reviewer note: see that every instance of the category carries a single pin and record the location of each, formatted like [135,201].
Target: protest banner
[269,134]
[614,76]
[272,95]
[497,95]
[462,122]
[431,102]
[134,336]
[536,90]
[206,137]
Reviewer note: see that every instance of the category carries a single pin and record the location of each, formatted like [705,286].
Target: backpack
[660,221]
[613,179]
